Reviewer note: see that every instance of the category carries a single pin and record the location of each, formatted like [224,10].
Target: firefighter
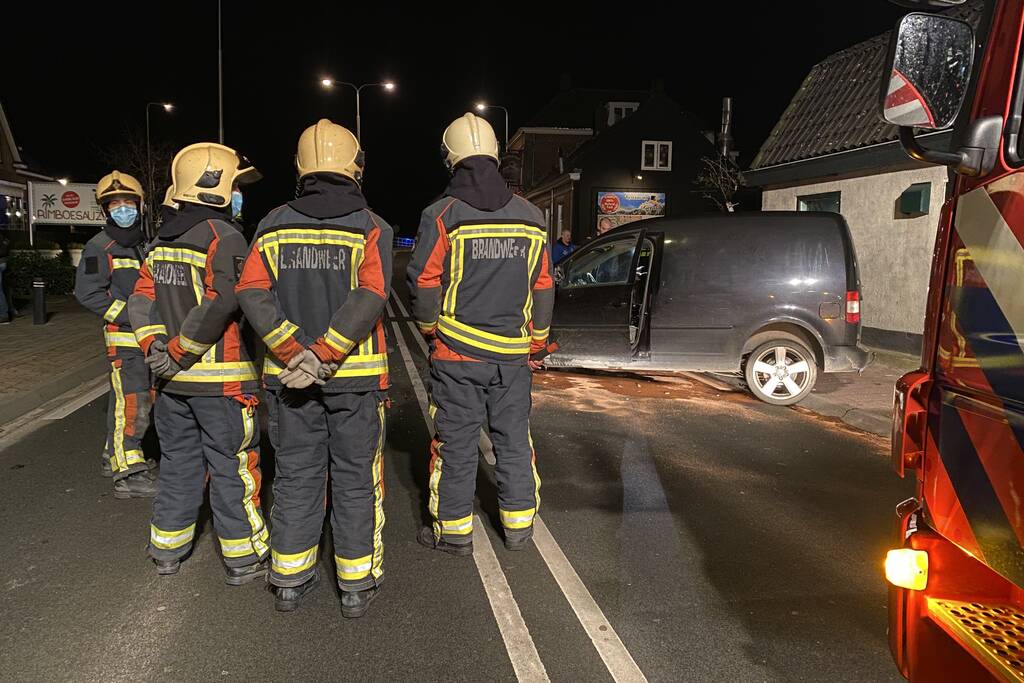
[104,280]
[169,207]
[186,320]
[314,288]
[482,294]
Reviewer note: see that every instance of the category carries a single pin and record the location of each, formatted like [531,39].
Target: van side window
[607,264]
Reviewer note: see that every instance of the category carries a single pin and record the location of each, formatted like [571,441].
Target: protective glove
[160,362]
[303,370]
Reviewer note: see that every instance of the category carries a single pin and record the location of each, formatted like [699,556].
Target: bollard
[38,302]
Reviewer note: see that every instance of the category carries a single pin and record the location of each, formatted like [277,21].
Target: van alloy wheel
[781,372]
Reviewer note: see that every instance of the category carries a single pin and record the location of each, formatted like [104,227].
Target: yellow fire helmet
[205,172]
[326,147]
[118,185]
[169,198]
[468,136]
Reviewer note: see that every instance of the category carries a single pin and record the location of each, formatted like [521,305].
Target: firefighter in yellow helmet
[314,287]
[104,281]
[482,340]
[186,320]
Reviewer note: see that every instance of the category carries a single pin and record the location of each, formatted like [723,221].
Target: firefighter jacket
[185,297]
[481,280]
[104,280]
[321,284]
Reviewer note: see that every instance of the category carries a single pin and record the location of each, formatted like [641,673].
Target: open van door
[594,320]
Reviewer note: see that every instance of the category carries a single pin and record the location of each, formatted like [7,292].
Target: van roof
[823,219]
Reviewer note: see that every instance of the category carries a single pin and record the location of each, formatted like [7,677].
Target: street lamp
[483,106]
[327,82]
[167,107]
[62,181]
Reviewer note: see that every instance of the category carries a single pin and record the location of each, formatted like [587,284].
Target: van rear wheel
[781,372]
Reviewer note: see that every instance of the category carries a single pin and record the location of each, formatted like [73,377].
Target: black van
[773,295]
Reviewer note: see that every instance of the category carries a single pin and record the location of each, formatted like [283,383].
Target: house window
[656,155]
[827,201]
[915,201]
[620,110]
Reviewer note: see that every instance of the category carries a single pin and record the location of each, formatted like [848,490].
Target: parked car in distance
[772,295]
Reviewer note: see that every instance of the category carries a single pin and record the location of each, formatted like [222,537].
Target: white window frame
[658,144]
[626,107]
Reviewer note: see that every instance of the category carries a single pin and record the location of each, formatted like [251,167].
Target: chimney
[725,132]
[658,86]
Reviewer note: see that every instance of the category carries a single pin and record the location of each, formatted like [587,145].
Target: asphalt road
[694,536]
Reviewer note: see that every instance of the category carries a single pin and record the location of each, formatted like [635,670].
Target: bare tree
[718,181]
[130,156]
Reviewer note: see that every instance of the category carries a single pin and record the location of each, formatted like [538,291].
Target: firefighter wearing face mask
[314,287]
[186,320]
[104,281]
[482,293]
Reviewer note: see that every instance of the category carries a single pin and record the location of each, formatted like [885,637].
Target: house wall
[893,252]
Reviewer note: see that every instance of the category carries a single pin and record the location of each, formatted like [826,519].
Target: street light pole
[330,82]
[149,162]
[482,106]
[359,118]
[220,76]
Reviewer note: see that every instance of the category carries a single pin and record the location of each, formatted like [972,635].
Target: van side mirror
[931,57]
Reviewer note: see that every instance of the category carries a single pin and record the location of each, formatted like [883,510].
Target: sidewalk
[863,401]
[41,362]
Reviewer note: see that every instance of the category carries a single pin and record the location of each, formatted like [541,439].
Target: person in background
[604,225]
[563,247]
[105,278]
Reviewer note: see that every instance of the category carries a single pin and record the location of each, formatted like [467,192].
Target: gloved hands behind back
[160,362]
[305,369]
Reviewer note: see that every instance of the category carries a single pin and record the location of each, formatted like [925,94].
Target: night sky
[75,78]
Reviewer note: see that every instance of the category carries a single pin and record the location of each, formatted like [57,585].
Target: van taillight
[853,307]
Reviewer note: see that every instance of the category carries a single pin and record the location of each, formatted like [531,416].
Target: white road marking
[89,396]
[33,420]
[614,654]
[619,662]
[518,642]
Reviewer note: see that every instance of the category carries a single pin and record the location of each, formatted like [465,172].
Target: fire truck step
[993,633]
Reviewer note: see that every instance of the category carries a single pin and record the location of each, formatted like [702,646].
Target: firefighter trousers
[465,396]
[318,439]
[128,409]
[219,435]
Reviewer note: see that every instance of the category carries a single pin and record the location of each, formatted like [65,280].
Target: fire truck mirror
[930,60]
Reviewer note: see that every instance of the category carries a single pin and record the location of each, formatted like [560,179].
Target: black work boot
[167,567]
[138,485]
[519,540]
[287,599]
[105,469]
[426,538]
[239,576]
[355,603]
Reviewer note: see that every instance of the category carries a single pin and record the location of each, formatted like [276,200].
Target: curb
[861,419]
[15,405]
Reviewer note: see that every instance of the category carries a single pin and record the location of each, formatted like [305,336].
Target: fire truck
[956,570]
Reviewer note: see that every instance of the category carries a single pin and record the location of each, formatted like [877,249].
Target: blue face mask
[236,203]
[125,216]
